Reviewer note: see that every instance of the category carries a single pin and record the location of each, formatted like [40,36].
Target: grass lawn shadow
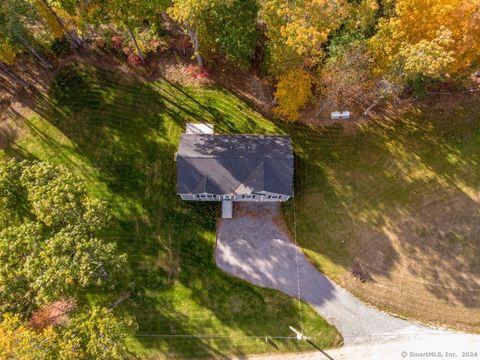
[399,198]
[121,135]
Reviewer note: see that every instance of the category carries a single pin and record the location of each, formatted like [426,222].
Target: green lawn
[121,135]
[398,198]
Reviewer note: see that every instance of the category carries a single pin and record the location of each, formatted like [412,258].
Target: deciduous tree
[91,333]
[296,30]
[49,246]
[96,334]
[16,19]
[129,15]
[231,29]
[345,80]
[8,50]
[425,31]
[50,18]
[293,91]
[190,14]
[18,341]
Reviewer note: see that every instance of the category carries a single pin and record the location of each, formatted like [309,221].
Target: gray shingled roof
[234,164]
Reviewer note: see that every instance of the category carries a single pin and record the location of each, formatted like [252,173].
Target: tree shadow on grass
[394,178]
[441,220]
[164,330]
[321,213]
[8,136]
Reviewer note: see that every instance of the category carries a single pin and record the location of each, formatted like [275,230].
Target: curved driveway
[255,246]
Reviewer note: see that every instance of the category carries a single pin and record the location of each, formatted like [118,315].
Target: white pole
[299,335]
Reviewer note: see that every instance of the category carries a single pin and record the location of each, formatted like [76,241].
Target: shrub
[197,72]
[117,41]
[107,39]
[148,41]
[134,59]
[60,47]
[8,51]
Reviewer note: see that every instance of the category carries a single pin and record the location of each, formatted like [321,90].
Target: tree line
[351,52]
[51,253]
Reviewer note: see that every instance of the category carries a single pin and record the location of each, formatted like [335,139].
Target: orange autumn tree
[52,314]
[293,91]
[428,38]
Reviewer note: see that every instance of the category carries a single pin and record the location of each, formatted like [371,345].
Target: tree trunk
[60,23]
[367,110]
[196,46]
[14,77]
[77,39]
[140,54]
[120,299]
[34,52]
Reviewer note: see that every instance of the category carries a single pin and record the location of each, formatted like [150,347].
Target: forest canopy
[51,249]
[408,43]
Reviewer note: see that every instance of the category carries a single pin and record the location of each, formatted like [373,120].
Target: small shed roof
[199,128]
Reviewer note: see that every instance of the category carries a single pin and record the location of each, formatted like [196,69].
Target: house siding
[259,197]
[187,196]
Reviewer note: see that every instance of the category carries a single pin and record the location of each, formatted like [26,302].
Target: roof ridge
[244,181]
[251,135]
[234,157]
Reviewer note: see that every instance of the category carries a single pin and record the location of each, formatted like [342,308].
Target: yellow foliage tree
[428,58]
[8,51]
[49,18]
[18,341]
[423,31]
[296,30]
[363,15]
[293,91]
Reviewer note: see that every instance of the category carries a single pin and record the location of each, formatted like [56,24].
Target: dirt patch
[8,135]
[245,209]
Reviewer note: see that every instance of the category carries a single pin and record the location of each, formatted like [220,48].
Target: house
[227,168]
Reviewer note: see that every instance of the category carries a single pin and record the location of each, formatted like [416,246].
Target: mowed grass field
[121,135]
[399,200]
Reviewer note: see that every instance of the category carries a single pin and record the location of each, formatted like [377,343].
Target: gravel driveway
[255,246]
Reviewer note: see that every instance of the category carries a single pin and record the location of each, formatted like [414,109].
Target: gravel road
[255,246]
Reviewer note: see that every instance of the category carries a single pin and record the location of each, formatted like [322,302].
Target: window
[273,197]
[248,196]
[206,196]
